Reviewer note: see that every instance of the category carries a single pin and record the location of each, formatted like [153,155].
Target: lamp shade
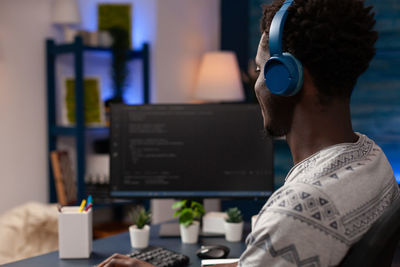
[65,12]
[219,78]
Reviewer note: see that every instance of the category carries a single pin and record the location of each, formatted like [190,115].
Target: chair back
[377,246]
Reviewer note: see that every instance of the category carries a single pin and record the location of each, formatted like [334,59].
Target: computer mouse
[213,252]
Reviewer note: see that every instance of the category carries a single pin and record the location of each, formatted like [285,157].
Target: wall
[24,25]
[179,31]
[186,29]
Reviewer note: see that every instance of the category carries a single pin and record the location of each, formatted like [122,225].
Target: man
[341,182]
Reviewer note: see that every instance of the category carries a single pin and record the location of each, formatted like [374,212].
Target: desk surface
[105,247]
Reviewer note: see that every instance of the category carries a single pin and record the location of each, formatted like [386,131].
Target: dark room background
[375,102]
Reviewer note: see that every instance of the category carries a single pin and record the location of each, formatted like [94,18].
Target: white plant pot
[139,237]
[190,234]
[233,231]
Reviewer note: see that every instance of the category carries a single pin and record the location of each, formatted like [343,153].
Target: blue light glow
[396,170]
[132,99]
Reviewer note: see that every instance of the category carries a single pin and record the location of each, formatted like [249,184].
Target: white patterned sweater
[327,203]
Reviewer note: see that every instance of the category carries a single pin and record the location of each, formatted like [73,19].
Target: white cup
[75,233]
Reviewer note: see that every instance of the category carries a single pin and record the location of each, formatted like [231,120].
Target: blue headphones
[283,73]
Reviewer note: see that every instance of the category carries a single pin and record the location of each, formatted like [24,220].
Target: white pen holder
[75,233]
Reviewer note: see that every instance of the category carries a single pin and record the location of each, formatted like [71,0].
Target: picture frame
[94,110]
[115,15]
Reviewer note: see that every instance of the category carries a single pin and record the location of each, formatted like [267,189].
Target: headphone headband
[276,29]
[283,73]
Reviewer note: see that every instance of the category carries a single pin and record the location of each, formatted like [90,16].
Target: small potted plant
[234,225]
[140,230]
[189,213]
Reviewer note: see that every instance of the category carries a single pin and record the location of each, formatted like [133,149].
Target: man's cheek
[260,87]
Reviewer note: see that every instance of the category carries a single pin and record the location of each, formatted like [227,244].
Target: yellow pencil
[83,203]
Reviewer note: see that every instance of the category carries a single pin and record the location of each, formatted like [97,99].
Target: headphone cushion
[283,75]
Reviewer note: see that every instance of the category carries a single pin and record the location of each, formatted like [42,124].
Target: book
[63,177]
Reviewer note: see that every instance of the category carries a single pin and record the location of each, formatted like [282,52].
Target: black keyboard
[161,257]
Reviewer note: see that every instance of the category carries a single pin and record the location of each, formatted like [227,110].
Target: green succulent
[140,217]
[188,211]
[234,215]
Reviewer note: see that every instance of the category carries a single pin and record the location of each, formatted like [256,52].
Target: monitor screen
[184,150]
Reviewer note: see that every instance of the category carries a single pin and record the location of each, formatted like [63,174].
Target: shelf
[132,54]
[79,130]
[66,131]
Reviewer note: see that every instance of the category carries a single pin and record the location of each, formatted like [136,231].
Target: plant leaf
[186,216]
[179,204]
[186,224]
[140,217]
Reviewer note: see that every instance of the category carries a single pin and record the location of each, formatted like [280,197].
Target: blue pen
[89,201]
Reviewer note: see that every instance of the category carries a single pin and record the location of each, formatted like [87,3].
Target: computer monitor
[189,151]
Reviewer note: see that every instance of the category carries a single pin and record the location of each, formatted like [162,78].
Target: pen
[82,205]
[88,207]
[89,200]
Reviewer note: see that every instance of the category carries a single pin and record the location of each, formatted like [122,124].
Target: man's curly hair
[333,39]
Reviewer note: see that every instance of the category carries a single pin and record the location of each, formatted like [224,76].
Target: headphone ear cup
[299,72]
[283,75]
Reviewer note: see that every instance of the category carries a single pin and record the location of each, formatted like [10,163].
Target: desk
[105,247]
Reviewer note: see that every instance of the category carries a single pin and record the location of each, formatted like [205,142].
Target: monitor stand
[171,229]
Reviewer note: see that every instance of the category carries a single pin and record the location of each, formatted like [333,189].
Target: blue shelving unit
[77,48]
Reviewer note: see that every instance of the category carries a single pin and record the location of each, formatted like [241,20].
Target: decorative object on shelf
[104,39]
[117,20]
[139,232]
[93,105]
[63,177]
[89,38]
[234,225]
[85,36]
[97,169]
[93,38]
[115,15]
[119,69]
[219,78]
[66,14]
[189,213]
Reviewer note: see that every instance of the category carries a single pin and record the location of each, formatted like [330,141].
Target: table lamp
[66,14]
[219,78]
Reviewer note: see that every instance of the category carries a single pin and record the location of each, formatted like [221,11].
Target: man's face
[277,110]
